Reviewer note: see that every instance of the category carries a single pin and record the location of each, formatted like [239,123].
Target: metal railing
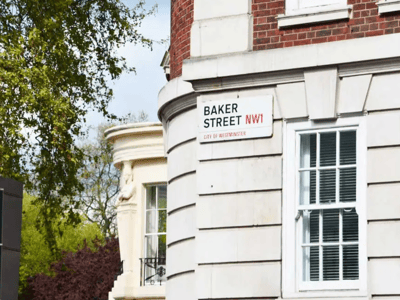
[152,271]
[120,271]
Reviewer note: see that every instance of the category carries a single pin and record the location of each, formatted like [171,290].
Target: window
[155,238]
[324,221]
[299,12]
[388,6]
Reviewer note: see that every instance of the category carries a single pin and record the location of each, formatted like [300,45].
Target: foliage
[100,179]
[86,274]
[55,59]
[142,116]
[36,256]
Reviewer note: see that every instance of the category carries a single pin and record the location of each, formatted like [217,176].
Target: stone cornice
[292,58]
[177,106]
[370,67]
[176,96]
[297,75]
[250,80]
[278,66]
[132,129]
[135,142]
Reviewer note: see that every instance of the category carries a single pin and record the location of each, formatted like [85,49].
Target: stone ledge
[317,55]
[388,6]
[314,17]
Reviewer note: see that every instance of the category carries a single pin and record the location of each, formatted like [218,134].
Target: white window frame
[145,210]
[299,12]
[145,216]
[388,6]
[292,286]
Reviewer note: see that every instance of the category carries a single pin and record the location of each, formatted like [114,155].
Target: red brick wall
[181,22]
[365,22]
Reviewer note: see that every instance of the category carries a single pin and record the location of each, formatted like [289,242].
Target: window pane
[330,262]
[151,246]
[162,196]
[151,221]
[327,149]
[330,225]
[314,263]
[311,226]
[350,225]
[162,221]
[162,245]
[307,187]
[308,150]
[151,197]
[348,185]
[327,190]
[350,262]
[311,263]
[347,147]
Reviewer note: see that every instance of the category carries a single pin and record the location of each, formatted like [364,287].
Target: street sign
[234,119]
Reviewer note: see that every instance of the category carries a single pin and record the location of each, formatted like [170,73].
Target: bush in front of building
[85,274]
[36,256]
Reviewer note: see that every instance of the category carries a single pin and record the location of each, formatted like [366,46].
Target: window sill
[315,15]
[388,6]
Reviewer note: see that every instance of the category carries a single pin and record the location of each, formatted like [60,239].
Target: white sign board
[235,119]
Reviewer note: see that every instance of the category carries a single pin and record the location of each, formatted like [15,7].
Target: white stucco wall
[225,227]
[226,197]
[139,146]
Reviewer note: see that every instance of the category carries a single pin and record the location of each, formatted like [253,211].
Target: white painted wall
[226,197]
[221,26]
[141,147]
[242,209]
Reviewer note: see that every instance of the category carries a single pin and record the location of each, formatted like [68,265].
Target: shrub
[85,274]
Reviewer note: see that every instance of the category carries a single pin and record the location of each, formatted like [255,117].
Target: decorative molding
[370,67]
[138,146]
[282,77]
[177,106]
[135,142]
[314,17]
[388,6]
[292,58]
[352,94]
[152,152]
[132,129]
[321,88]
[251,80]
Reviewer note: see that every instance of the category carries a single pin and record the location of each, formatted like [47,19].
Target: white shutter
[330,235]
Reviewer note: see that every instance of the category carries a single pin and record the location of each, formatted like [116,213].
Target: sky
[136,92]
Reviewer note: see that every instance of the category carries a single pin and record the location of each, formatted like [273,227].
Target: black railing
[152,271]
[120,271]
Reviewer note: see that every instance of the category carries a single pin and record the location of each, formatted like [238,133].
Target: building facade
[141,210]
[282,132]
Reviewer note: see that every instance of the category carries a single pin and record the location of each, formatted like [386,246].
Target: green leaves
[54,58]
[36,256]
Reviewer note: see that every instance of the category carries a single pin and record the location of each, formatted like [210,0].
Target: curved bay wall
[219,202]
[225,198]
[238,242]
[178,115]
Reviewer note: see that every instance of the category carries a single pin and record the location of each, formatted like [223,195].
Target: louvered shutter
[327,179]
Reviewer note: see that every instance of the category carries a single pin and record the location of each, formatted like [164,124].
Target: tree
[36,256]
[55,58]
[85,274]
[100,179]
